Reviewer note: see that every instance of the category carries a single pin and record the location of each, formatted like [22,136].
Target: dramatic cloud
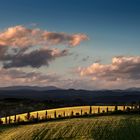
[21,47]
[20,36]
[122,68]
[34,59]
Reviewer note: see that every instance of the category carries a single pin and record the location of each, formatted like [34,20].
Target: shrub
[85,113]
[128,109]
[77,114]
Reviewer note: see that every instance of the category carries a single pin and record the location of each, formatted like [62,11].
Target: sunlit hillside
[124,127]
[63,112]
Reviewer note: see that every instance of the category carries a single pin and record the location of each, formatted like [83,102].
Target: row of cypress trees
[28,117]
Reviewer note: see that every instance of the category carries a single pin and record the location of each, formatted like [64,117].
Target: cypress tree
[18,119]
[116,107]
[71,113]
[107,110]
[64,113]
[28,116]
[124,108]
[37,117]
[55,115]
[98,110]
[46,113]
[15,118]
[81,112]
[90,110]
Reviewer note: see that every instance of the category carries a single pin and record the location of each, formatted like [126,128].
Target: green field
[119,127]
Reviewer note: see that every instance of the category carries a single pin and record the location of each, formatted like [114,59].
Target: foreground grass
[119,127]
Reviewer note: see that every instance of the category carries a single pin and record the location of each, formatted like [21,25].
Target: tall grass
[124,127]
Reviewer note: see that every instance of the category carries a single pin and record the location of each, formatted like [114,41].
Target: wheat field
[119,127]
[61,111]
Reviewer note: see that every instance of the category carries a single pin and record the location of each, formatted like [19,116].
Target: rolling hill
[70,95]
[119,127]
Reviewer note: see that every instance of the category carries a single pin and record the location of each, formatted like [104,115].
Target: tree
[90,110]
[46,114]
[116,108]
[71,113]
[64,114]
[28,116]
[98,110]
[107,110]
[55,115]
[15,118]
[18,119]
[124,108]
[10,119]
[37,116]
[81,112]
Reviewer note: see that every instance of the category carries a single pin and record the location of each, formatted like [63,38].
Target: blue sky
[112,26]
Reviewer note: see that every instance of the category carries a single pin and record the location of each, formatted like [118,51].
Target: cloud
[122,73]
[20,36]
[21,46]
[33,59]
[26,78]
[3,50]
[122,68]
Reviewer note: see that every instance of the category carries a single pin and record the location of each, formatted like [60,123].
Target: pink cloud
[121,68]
[16,46]
[20,36]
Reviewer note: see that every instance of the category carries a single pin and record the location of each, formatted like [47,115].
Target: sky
[82,44]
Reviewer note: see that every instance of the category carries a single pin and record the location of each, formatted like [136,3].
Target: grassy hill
[119,127]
